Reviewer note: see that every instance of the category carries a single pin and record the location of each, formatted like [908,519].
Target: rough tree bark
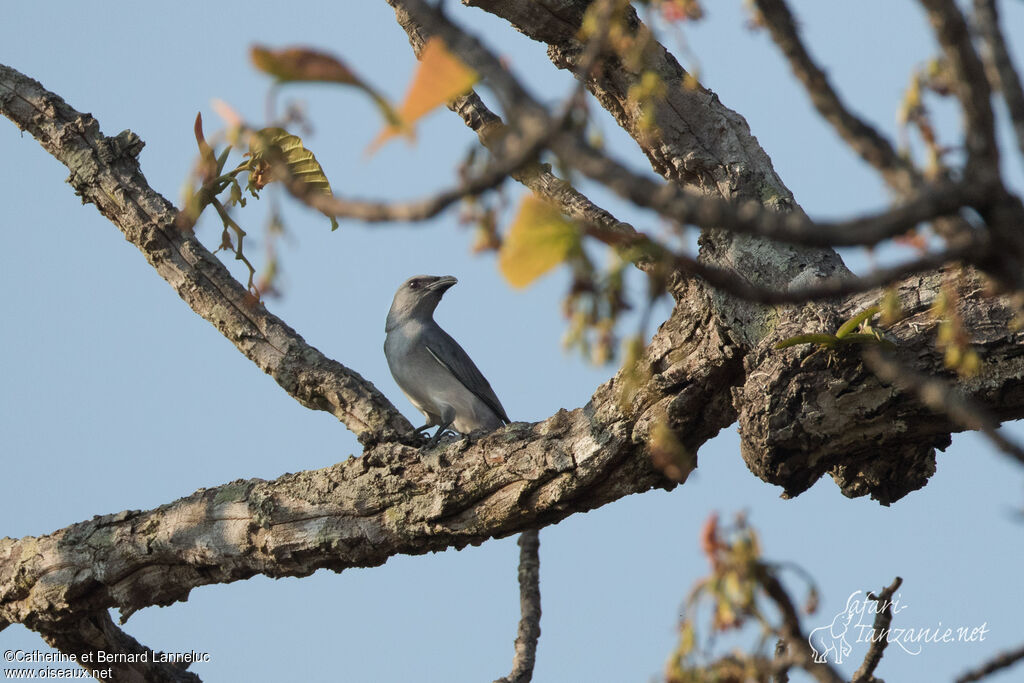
[712,362]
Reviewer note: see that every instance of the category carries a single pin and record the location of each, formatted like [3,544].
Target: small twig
[883,618]
[987,20]
[529,606]
[997,663]
[943,397]
[229,222]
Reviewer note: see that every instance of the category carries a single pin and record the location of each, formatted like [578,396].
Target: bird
[431,369]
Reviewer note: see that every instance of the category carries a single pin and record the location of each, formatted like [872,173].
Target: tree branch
[492,131]
[358,513]
[105,172]
[830,288]
[87,634]
[529,605]
[803,417]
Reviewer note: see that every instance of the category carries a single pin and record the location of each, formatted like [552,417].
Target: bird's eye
[415,284]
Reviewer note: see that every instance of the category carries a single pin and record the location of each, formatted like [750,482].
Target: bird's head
[417,298]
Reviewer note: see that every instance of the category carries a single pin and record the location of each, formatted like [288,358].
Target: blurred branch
[516,148]
[830,288]
[800,650]
[492,131]
[529,606]
[987,20]
[861,136]
[883,618]
[943,397]
[997,663]
[753,218]
[971,87]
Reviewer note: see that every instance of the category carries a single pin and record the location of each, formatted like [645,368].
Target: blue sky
[116,396]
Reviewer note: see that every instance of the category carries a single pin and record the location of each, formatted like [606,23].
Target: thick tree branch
[105,172]
[357,513]
[803,417]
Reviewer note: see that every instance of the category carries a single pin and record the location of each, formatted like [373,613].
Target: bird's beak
[442,283]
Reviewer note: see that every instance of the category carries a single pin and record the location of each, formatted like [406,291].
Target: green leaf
[867,338]
[855,322]
[276,145]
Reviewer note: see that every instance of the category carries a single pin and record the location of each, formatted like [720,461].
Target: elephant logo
[831,639]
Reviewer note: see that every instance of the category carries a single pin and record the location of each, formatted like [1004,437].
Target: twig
[529,606]
[943,397]
[883,618]
[987,20]
[997,663]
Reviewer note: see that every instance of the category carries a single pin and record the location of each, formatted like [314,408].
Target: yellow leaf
[440,78]
[539,239]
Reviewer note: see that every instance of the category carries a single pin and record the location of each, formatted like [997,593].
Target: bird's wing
[461,365]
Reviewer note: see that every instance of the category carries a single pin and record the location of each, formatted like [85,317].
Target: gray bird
[430,367]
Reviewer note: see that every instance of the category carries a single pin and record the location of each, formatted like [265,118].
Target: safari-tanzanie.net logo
[855,625]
